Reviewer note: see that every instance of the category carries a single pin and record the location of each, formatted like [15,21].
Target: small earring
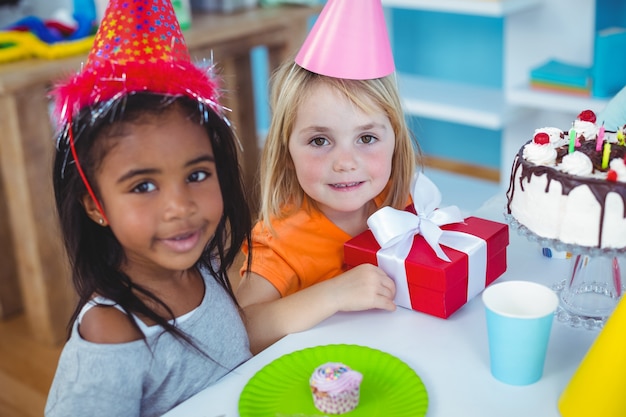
[101,221]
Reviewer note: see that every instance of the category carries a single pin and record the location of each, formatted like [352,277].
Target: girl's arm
[268,317]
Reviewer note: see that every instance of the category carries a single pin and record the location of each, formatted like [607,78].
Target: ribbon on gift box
[394,231]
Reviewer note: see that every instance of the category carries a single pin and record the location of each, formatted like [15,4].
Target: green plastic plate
[281,389]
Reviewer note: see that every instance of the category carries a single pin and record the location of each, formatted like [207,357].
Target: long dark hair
[94,253]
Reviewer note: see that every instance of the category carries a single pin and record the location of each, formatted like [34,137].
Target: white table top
[451,356]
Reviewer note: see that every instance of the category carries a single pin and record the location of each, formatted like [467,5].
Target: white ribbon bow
[394,231]
[392,227]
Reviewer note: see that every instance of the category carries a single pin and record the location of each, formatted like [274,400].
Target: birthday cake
[571,185]
[335,388]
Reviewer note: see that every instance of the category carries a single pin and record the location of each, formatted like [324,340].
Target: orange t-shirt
[306,248]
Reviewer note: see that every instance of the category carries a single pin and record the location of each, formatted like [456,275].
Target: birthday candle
[600,138]
[620,136]
[605,155]
[572,140]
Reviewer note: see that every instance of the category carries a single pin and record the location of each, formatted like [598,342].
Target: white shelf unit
[534,31]
[560,29]
[476,7]
[460,103]
[524,96]
[455,102]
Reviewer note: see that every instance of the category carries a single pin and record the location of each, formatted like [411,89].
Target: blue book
[562,73]
[609,62]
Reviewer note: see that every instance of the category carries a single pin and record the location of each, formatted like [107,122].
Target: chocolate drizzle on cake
[599,187]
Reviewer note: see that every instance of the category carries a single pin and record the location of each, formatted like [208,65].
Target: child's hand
[268,316]
[364,287]
[614,114]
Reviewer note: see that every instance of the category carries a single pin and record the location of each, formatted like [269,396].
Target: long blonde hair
[281,194]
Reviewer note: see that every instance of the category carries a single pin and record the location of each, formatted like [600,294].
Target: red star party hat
[139,47]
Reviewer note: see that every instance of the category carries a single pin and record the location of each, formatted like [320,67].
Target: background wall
[494,52]
[457,48]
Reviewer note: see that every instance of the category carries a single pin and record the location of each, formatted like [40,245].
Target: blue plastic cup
[519,321]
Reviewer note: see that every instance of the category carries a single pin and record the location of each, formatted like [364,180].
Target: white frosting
[587,130]
[540,154]
[619,167]
[610,137]
[556,135]
[574,215]
[573,218]
[576,163]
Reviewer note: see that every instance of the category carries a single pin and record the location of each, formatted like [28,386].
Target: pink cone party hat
[349,40]
[139,47]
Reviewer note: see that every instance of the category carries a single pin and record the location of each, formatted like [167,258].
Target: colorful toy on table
[555,254]
[32,37]
[408,247]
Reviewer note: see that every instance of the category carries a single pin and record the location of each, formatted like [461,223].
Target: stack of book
[562,77]
[603,79]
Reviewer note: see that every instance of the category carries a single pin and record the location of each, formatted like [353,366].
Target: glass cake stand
[594,285]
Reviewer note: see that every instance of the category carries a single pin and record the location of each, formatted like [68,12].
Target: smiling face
[342,155]
[160,192]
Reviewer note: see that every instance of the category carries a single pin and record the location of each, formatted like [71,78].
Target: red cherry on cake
[611,175]
[587,116]
[541,138]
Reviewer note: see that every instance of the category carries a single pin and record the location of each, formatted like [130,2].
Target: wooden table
[34,275]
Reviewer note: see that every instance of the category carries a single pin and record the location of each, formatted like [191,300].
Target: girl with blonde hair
[337,150]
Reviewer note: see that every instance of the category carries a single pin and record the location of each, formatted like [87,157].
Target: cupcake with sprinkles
[335,388]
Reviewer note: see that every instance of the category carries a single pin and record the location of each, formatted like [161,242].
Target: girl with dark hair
[153,213]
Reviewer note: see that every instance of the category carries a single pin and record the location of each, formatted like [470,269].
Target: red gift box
[438,287]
